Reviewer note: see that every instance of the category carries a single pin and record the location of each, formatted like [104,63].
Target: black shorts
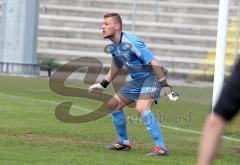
[229,102]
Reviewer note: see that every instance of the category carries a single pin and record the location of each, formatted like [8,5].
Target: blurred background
[182,34]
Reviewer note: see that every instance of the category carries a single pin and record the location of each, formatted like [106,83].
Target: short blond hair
[116,16]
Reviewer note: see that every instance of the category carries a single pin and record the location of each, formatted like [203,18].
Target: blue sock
[119,120]
[153,128]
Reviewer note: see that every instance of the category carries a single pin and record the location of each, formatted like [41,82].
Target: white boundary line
[196,132]
[44,101]
[87,110]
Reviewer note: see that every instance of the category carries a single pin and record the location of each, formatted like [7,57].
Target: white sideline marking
[196,132]
[87,110]
[45,101]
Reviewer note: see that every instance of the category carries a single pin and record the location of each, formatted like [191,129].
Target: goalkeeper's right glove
[97,89]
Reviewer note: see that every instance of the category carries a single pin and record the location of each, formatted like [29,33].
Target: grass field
[31,134]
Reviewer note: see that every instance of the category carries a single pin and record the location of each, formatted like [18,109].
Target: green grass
[31,134]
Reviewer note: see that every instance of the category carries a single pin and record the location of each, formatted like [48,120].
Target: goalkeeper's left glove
[173,96]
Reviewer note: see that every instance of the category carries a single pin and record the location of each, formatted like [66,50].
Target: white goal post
[220,50]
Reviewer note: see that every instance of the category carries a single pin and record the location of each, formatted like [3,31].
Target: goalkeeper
[148,78]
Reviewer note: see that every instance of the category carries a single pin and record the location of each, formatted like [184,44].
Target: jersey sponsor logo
[124,47]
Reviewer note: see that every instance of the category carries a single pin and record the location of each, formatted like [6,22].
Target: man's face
[108,27]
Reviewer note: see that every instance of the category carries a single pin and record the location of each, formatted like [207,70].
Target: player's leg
[116,104]
[143,106]
[149,95]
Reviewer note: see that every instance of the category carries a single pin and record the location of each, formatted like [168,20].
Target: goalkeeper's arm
[112,73]
[98,88]
[161,75]
[159,72]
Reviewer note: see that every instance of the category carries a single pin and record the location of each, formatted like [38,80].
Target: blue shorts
[134,88]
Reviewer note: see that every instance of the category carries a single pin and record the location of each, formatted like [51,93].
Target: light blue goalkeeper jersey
[132,53]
